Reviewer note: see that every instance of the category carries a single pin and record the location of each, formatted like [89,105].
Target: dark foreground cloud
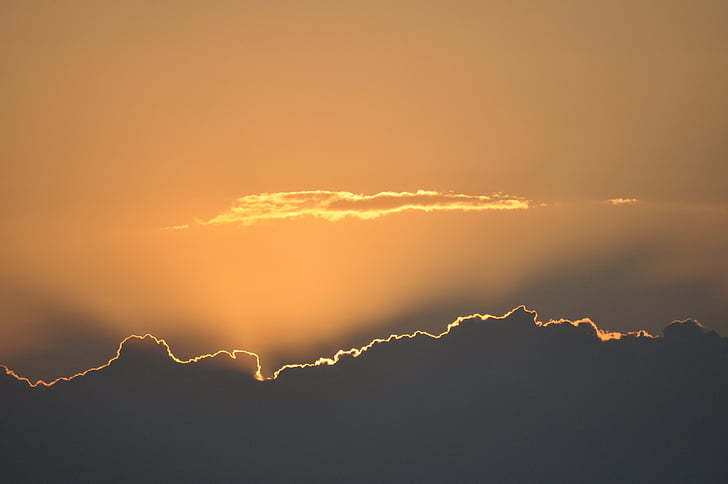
[492,400]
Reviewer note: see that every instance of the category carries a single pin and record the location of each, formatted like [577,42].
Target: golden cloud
[336,205]
[622,201]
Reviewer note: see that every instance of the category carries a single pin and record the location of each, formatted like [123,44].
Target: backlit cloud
[490,399]
[586,326]
[336,205]
[623,201]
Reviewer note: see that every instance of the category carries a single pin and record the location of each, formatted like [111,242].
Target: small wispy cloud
[337,205]
[176,227]
[622,201]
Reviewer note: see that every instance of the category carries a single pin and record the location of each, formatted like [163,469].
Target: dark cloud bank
[500,400]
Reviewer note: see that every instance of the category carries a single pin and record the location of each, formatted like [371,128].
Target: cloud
[584,327]
[148,345]
[334,206]
[490,399]
[687,329]
[176,227]
[622,201]
[337,205]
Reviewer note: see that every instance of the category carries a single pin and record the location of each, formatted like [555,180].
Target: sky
[292,178]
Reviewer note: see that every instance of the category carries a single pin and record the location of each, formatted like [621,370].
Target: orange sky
[120,119]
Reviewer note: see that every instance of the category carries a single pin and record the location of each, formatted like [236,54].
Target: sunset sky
[292,178]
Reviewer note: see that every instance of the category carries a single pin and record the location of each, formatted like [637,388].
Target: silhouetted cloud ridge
[489,400]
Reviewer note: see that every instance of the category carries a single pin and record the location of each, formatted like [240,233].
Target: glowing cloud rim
[334,206]
[602,335]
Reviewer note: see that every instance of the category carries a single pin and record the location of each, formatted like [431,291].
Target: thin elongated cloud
[623,201]
[337,205]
